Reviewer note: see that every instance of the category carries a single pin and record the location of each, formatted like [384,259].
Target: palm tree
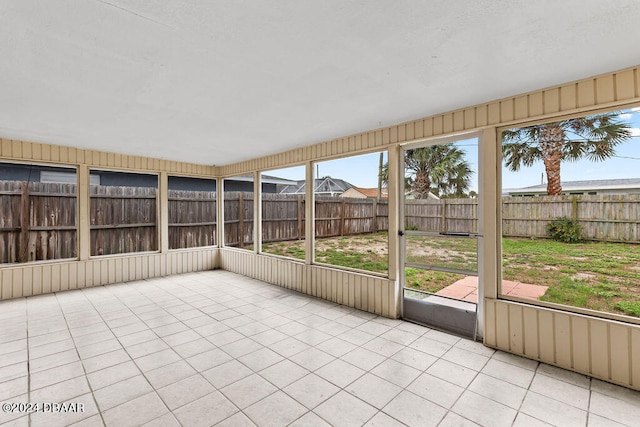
[438,169]
[594,138]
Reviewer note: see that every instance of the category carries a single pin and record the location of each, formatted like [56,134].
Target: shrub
[565,230]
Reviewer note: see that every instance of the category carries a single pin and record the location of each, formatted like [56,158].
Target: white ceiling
[216,82]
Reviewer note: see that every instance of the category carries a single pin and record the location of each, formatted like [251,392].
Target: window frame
[216,234]
[499,269]
[313,165]
[158,201]
[45,164]
[260,219]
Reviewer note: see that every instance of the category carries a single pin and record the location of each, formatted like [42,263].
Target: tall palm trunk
[421,185]
[551,141]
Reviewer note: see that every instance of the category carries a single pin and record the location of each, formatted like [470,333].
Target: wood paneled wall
[605,349]
[369,293]
[604,91]
[45,277]
[45,153]
[18,280]
[613,349]
[601,348]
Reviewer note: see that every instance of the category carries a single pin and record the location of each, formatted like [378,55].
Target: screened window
[123,213]
[192,212]
[351,212]
[576,243]
[238,212]
[283,212]
[37,219]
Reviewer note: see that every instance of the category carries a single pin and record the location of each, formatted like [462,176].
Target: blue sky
[362,171]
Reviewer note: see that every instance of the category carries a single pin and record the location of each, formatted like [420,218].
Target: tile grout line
[186,295]
[80,359]
[285,358]
[26,309]
[466,388]
[589,402]
[132,359]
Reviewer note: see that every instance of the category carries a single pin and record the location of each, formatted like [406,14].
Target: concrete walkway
[467,289]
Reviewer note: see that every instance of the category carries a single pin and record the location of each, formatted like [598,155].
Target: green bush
[565,230]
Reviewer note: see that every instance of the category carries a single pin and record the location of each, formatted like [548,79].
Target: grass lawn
[599,276]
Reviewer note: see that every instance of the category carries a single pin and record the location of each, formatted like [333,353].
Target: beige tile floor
[215,348]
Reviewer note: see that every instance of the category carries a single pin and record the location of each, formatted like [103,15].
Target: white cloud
[625,116]
[636,109]
[635,131]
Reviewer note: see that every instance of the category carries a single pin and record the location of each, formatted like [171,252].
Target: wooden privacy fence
[338,216]
[283,217]
[238,219]
[609,218]
[192,219]
[612,218]
[444,215]
[37,221]
[123,219]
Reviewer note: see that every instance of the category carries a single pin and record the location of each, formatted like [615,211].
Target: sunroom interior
[223,96]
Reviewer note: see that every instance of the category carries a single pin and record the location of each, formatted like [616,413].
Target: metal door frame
[463,321]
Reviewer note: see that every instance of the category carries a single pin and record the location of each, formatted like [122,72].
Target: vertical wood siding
[604,349]
[41,278]
[604,91]
[369,293]
[601,348]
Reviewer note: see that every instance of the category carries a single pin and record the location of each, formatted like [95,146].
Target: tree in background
[441,170]
[593,138]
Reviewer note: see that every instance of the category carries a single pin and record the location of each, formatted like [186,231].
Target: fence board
[192,218]
[611,218]
[238,218]
[37,221]
[123,219]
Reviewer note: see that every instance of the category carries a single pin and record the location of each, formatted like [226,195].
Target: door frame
[487,191]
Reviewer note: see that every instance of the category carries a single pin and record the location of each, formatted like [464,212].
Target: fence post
[375,215]
[241,220]
[300,217]
[574,207]
[443,203]
[23,256]
[342,215]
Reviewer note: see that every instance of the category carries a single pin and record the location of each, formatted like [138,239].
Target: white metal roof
[584,185]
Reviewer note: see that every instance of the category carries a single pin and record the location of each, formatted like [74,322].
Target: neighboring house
[588,187]
[270,184]
[326,186]
[364,193]
[39,173]
[57,175]
[409,196]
